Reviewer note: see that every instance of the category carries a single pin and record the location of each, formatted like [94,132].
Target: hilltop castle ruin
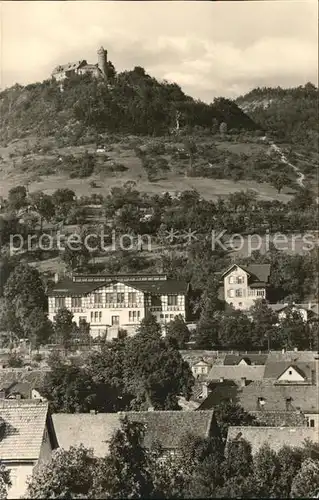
[81,67]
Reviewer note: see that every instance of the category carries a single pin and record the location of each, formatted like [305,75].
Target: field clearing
[122,152]
[209,189]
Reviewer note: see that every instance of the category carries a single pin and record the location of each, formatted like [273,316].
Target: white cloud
[209,48]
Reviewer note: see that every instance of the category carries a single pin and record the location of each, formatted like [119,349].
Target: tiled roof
[236,372]
[258,272]
[252,359]
[302,397]
[276,437]
[68,287]
[69,66]
[24,423]
[96,431]
[276,369]
[291,356]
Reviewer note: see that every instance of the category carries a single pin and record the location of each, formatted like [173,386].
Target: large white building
[113,302]
[241,286]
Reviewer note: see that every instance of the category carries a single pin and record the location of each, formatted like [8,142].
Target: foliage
[5,481]
[15,360]
[69,474]
[177,332]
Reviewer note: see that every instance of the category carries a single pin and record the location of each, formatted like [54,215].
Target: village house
[168,428]
[27,438]
[112,302]
[241,286]
[275,437]
[308,312]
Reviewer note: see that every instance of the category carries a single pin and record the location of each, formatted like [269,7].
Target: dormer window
[261,403]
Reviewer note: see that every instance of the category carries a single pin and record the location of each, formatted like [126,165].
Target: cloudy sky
[209,48]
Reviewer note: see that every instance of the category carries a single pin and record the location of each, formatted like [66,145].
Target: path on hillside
[301,176]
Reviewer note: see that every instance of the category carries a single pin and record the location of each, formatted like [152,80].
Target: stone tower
[102,61]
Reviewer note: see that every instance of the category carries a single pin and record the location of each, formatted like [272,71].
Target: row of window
[236,280]
[240,293]
[110,298]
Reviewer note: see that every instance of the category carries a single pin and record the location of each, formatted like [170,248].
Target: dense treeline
[290,115]
[132,102]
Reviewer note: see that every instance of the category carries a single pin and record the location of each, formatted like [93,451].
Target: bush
[15,360]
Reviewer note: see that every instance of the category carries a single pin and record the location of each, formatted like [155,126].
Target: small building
[27,439]
[307,312]
[275,437]
[168,428]
[201,368]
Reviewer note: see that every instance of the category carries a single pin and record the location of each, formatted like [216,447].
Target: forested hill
[133,102]
[290,115]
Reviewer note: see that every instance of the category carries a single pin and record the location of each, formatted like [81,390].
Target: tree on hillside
[177,332]
[71,389]
[154,370]
[235,330]
[232,414]
[293,331]
[107,367]
[38,328]
[17,197]
[24,290]
[263,324]
[65,328]
[125,473]
[69,474]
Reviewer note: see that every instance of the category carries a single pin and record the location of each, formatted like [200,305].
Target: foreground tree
[125,473]
[154,370]
[178,333]
[69,474]
[306,483]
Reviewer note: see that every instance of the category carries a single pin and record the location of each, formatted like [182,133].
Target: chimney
[243,381]
[56,277]
[283,351]
[93,412]
[205,390]
[313,377]
[296,349]
[2,395]
[221,380]
[18,396]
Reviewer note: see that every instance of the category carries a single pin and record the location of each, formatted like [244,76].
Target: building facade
[98,70]
[242,286]
[109,303]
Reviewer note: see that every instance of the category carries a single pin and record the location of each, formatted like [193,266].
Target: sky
[209,48]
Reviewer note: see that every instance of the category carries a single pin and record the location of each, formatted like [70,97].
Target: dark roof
[251,359]
[258,272]
[275,369]
[166,427]
[69,287]
[221,392]
[302,397]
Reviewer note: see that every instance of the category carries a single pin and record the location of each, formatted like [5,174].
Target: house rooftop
[250,359]
[166,427]
[257,272]
[24,424]
[149,284]
[236,372]
[275,437]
